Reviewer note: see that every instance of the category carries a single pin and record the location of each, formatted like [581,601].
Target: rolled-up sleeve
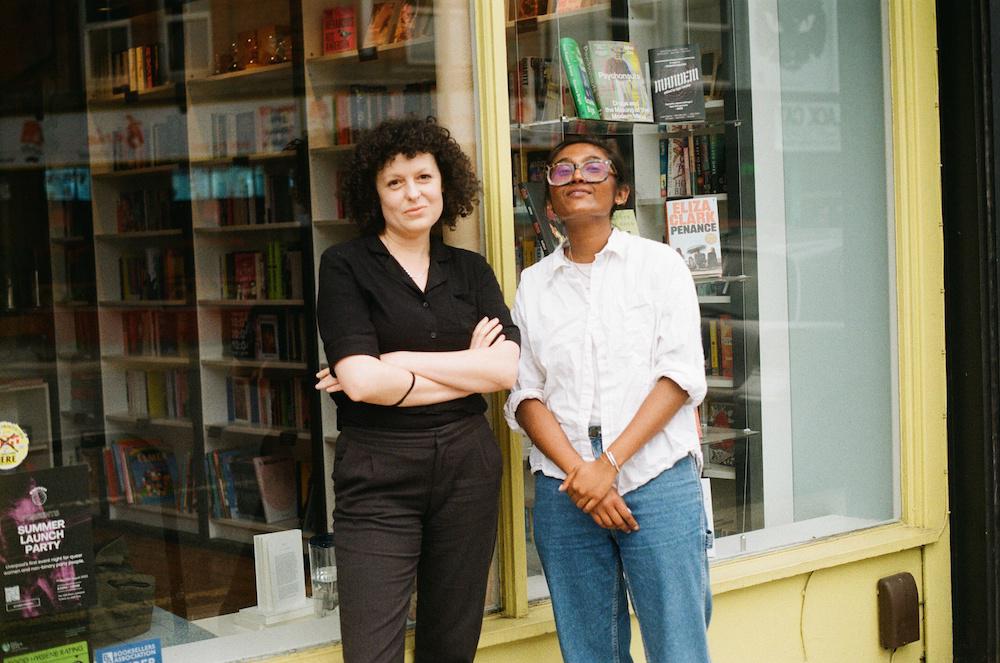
[530,374]
[342,313]
[678,353]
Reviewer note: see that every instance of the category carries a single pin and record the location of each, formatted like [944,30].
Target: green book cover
[579,81]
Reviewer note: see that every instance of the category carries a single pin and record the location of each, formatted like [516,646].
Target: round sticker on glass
[13,445]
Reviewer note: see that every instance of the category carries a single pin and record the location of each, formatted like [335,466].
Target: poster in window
[46,549]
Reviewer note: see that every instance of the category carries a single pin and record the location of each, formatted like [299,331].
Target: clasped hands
[590,484]
[486,334]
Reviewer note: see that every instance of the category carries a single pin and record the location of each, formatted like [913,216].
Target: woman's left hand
[327,382]
[588,483]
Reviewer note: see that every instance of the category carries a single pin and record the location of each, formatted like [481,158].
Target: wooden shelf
[256,157]
[140,234]
[166,92]
[161,422]
[249,303]
[126,173]
[716,471]
[405,62]
[334,223]
[144,303]
[714,434]
[258,526]
[267,364]
[263,81]
[255,227]
[165,511]
[715,382]
[650,201]
[140,361]
[549,21]
[332,150]
[254,429]
[68,240]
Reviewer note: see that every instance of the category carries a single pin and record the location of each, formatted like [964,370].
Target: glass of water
[323,565]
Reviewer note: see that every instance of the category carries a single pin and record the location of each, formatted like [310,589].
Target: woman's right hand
[486,333]
[327,382]
[612,513]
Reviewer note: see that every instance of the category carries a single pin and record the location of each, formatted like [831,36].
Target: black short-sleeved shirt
[367,305]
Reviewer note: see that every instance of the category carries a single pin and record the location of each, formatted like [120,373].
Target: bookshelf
[543,113]
[195,215]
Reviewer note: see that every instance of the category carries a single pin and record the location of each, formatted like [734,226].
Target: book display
[633,72]
[183,252]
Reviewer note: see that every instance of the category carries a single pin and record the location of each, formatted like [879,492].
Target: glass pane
[785,145]
[164,201]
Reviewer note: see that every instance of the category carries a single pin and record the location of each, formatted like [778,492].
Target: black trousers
[415,503]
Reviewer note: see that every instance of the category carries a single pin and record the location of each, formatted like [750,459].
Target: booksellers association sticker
[13,445]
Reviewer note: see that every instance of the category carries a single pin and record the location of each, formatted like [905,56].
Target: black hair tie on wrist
[413,381]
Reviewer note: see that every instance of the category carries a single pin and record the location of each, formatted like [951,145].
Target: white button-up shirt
[641,318]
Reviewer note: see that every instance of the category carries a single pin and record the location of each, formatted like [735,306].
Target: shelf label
[13,445]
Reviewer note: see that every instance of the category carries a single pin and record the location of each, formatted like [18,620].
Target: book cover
[578,79]
[530,8]
[46,542]
[676,84]
[406,22]
[677,178]
[693,231]
[248,496]
[549,233]
[152,471]
[380,26]
[619,86]
[276,482]
[267,337]
[240,328]
[339,31]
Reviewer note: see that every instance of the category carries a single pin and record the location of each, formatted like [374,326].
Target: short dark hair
[610,148]
[409,137]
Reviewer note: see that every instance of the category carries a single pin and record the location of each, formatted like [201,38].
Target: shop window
[182,177]
[783,142]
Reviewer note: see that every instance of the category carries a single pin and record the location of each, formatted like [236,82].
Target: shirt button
[425,305]
[434,334]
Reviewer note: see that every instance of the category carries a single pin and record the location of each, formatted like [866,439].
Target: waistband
[414,437]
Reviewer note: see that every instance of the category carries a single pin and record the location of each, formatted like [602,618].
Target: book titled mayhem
[675,79]
[46,547]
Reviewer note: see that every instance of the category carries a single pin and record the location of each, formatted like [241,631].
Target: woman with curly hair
[414,331]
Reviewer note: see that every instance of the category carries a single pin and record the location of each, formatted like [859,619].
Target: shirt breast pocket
[639,330]
[464,313]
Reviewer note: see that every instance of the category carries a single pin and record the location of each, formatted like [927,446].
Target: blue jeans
[663,567]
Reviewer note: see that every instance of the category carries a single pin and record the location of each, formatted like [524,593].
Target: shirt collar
[615,245]
[439,250]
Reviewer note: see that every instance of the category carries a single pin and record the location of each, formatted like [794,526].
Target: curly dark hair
[409,137]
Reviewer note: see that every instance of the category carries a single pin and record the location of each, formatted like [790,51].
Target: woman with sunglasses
[610,376]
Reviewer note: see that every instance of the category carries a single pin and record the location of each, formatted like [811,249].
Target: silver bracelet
[614,462]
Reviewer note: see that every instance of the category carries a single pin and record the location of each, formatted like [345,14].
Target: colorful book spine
[579,81]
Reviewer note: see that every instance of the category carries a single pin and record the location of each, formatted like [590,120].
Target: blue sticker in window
[146,651]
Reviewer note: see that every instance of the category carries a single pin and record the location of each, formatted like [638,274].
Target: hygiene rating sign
[74,653]
[146,651]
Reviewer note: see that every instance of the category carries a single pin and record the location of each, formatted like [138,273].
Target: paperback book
[677,88]
[693,231]
[619,86]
